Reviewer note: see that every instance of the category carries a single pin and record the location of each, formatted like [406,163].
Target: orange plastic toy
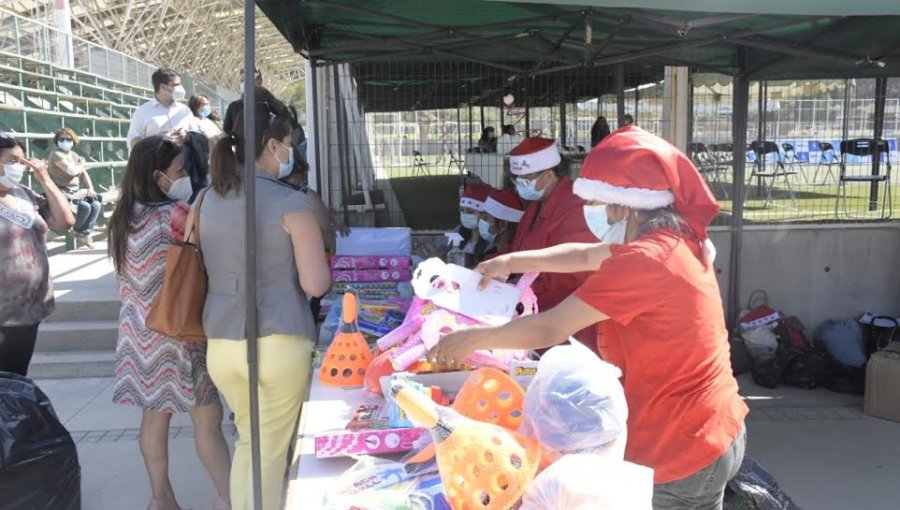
[488,395]
[380,367]
[348,357]
[482,466]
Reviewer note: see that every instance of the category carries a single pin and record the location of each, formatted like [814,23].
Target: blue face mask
[468,220]
[484,228]
[205,111]
[285,169]
[528,190]
[595,217]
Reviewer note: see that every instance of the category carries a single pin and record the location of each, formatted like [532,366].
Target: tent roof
[536,38]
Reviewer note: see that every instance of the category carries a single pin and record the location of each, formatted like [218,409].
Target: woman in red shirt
[658,301]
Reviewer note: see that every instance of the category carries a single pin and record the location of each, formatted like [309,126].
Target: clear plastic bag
[575,404]
[591,482]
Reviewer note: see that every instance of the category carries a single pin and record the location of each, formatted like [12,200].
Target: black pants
[16,348]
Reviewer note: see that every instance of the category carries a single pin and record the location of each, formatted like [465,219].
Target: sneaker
[83,240]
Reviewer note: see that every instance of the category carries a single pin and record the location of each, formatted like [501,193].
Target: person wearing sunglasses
[66,169]
[553,216]
[26,292]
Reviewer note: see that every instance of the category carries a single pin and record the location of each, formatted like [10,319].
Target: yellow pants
[284,365]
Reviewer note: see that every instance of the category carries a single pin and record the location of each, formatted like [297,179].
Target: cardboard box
[883,384]
[346,443]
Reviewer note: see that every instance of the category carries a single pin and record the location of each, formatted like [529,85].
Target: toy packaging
[372,262]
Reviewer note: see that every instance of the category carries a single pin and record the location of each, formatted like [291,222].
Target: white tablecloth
[327,409]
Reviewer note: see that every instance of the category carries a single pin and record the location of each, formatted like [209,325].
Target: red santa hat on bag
[534,154]
[474,195]
[637,169]
[505,205]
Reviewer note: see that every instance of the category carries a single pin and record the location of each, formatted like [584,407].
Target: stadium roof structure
[204,38]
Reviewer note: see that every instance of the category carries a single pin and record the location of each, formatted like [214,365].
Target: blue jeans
[86,216]
[705,489]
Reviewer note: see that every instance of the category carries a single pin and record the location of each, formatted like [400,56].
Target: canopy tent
[531,38]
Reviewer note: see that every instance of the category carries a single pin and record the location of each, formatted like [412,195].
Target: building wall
[818,272]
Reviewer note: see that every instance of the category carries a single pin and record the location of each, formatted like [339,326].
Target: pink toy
[427,323]
[372,275]
[356,262]
[346,443]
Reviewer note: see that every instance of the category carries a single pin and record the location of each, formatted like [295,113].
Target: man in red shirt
[553,216]
[657,298]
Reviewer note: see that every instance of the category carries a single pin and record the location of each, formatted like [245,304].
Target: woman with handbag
[291,264]
[157,373]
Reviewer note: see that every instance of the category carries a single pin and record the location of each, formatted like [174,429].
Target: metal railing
[35,40]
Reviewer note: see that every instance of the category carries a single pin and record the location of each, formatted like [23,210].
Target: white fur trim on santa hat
[544,159]
[502,212]
[636,198]
[709,251]
[471,203]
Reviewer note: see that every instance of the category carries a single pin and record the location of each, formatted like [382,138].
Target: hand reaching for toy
[495,269]
[457,346]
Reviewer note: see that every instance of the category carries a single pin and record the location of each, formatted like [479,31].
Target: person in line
[200,107]
[291,265]
[299,180]
[158,374]
[488,140]
[554,215]
[599,130]
[238,104]
[164,114]
[299,133]
[26,292]
[67,169]
[658,301]
[508,140]
[498,222]
[627,120]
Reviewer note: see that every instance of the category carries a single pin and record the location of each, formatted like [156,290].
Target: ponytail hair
[273,120]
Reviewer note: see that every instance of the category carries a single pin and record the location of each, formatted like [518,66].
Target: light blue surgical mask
[205,111]
[528,190]
[616,233]
[468,220]
[484,228]
[285,169]
[66,145]
[597,222]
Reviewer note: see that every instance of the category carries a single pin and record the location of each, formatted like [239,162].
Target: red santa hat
[534,154]
[637,169]
[474,195]
[505,205]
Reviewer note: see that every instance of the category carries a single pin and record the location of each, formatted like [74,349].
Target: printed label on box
[345,443]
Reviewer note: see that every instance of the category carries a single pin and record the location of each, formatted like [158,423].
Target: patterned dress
[153,371]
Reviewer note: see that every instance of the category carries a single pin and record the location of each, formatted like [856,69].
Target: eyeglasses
[531,177]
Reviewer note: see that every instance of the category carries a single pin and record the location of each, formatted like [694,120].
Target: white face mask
[469,221]
[178,93]
[598,222]
[13,174]
[66,145]
[180,190]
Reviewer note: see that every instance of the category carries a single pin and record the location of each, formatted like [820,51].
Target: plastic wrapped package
[591,482]
[38,461]
[575,404]
[371,484]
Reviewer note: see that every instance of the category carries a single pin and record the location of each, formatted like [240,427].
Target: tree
[295,94]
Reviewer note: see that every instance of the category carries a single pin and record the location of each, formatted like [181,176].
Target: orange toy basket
[347,359]
[482,466]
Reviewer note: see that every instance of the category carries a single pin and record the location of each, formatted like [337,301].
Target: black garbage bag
[754,488]
[38,462]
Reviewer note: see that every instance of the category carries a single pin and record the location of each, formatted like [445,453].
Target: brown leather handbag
[178,310]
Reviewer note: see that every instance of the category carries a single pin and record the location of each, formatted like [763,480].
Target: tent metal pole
[250,247]
[314,84]
[343,146]
[620,94]
[880,100]
[459,149]
[740,103]
[563,131]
